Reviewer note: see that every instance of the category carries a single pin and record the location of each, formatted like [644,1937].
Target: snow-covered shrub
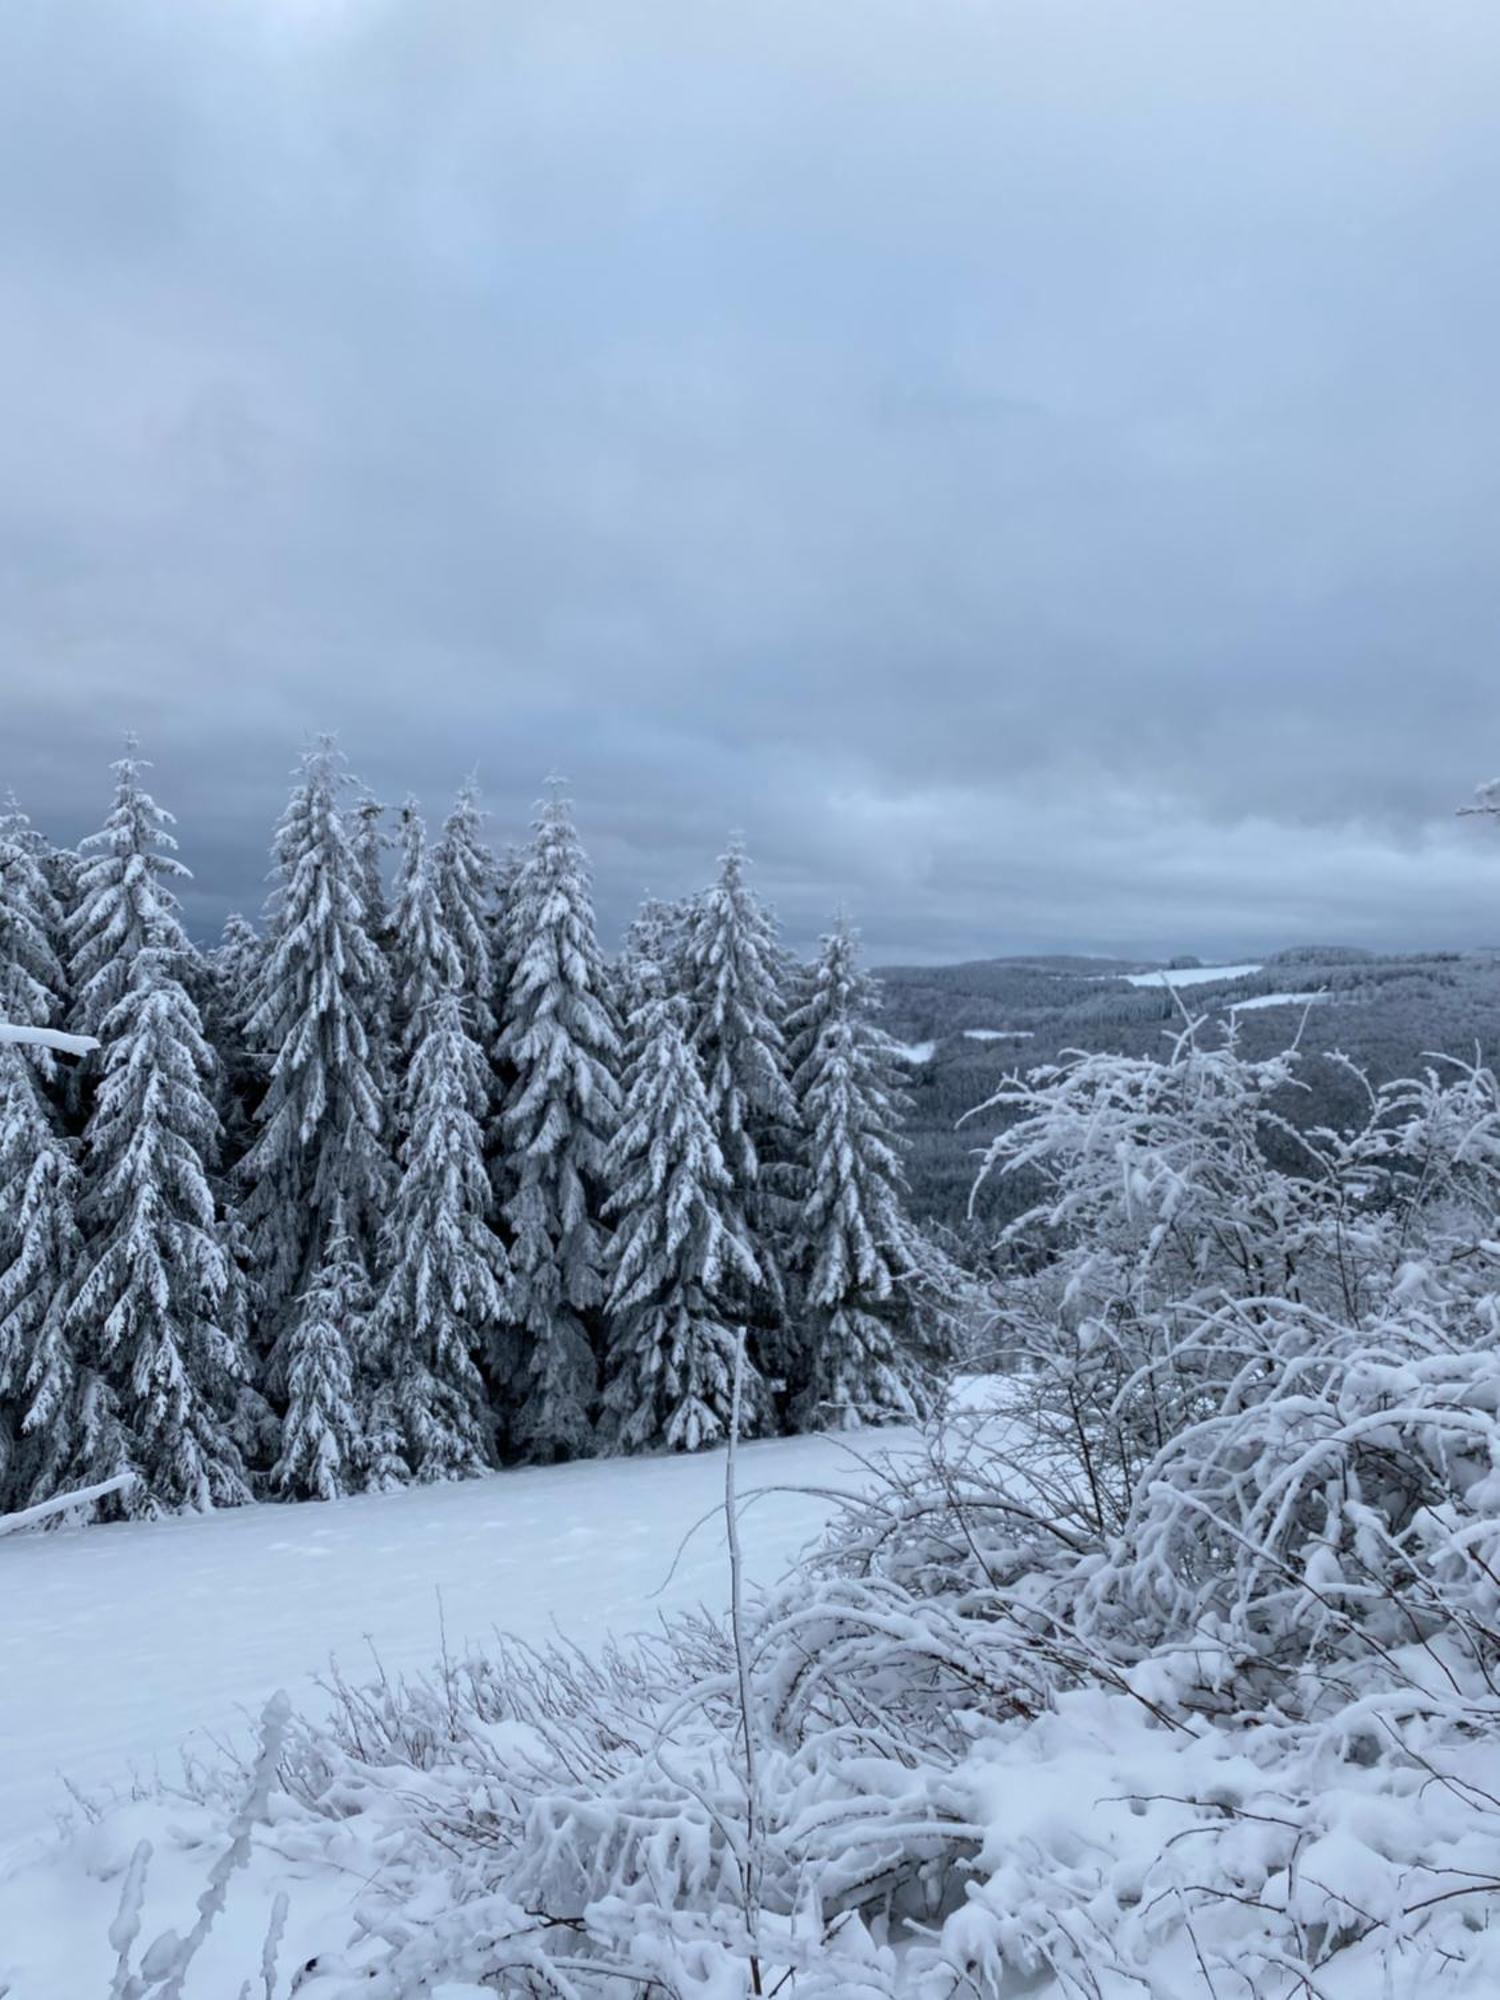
[1182,1217]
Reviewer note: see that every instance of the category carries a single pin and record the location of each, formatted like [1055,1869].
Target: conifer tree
[680,1251]
[63,868]
[234,980]
[504,948]
[318,1019]
[236,967]
[124,901]
[856,1359]
[252,1422]
[425,962]
[559,1050]
[731,963]
[32,979]
[646,966]
[323,1441]
[371,843]
[446,1273]
[40,1252]
[149,1306]
[468,889]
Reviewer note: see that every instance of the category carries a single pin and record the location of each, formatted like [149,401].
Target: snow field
[120,1642]
[1190,975]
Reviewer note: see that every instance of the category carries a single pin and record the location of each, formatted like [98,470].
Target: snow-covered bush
[1182,1218]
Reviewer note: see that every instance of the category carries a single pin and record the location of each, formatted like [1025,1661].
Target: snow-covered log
[64,1503]
[47,1038]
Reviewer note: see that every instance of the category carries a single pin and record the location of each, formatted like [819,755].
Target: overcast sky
[1031,465]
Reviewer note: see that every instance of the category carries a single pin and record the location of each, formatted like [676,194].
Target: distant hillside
[965,1026]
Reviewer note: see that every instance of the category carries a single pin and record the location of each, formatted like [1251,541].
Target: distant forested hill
[965,1026]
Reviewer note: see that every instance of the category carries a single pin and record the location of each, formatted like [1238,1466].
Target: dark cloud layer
[1029,464]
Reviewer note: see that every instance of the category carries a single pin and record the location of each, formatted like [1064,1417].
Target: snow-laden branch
[47,1038]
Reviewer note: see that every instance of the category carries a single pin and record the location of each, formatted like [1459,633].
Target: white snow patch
[915,1053]
[998,1034]
[1277,1000]
[1189,975]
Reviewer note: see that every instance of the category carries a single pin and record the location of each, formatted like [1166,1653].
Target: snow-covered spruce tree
[730,966]
[63,868]
[505,947]
[324,1443]
[647,964]
[318,1018]
[468,887]
[124,901]
[559,1049]
[40,1253]
[236,962]
[149,1308]
[864,1340]
[253,1424]
[32,978]
[425,962]
[680,1248]
[446,1276]
[234,982]
[371,843]
[235,967]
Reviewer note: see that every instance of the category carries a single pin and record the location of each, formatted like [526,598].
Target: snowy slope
[118,1642]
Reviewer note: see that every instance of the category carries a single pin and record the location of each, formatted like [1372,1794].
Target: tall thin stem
[753,1830]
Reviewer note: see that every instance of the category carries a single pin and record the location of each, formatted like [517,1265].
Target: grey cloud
[1029,467]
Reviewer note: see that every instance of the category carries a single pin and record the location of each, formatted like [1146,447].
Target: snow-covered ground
[915,1053]
[1276,1000]
[1189,975]
[918,1053]
[117,1643]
